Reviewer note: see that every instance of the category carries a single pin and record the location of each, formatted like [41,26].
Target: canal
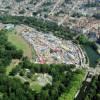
[92,55]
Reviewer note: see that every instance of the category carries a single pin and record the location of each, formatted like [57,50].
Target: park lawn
[11,66]
[35,86]
[74,86]
[20,43]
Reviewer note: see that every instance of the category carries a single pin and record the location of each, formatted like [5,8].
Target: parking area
[51,49]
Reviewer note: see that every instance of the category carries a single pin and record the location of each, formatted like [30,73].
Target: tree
[82,39]
[98,96]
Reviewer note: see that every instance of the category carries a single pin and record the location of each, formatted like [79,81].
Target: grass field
[20,43]
[74,86]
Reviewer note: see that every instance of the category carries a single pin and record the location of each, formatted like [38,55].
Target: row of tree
[97,16]
[94,90]
[40,24]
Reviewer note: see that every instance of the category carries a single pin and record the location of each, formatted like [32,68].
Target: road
[39,4]
[59,2]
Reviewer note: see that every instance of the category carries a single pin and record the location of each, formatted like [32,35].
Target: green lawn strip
[22,79]
[33,54]
[20,43]
[74,86]
[11,66]
[1,95]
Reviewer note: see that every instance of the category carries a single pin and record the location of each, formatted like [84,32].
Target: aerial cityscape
[49,49]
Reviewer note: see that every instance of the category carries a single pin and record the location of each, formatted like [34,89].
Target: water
[92,55]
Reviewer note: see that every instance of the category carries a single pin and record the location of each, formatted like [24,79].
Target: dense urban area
[49,49]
